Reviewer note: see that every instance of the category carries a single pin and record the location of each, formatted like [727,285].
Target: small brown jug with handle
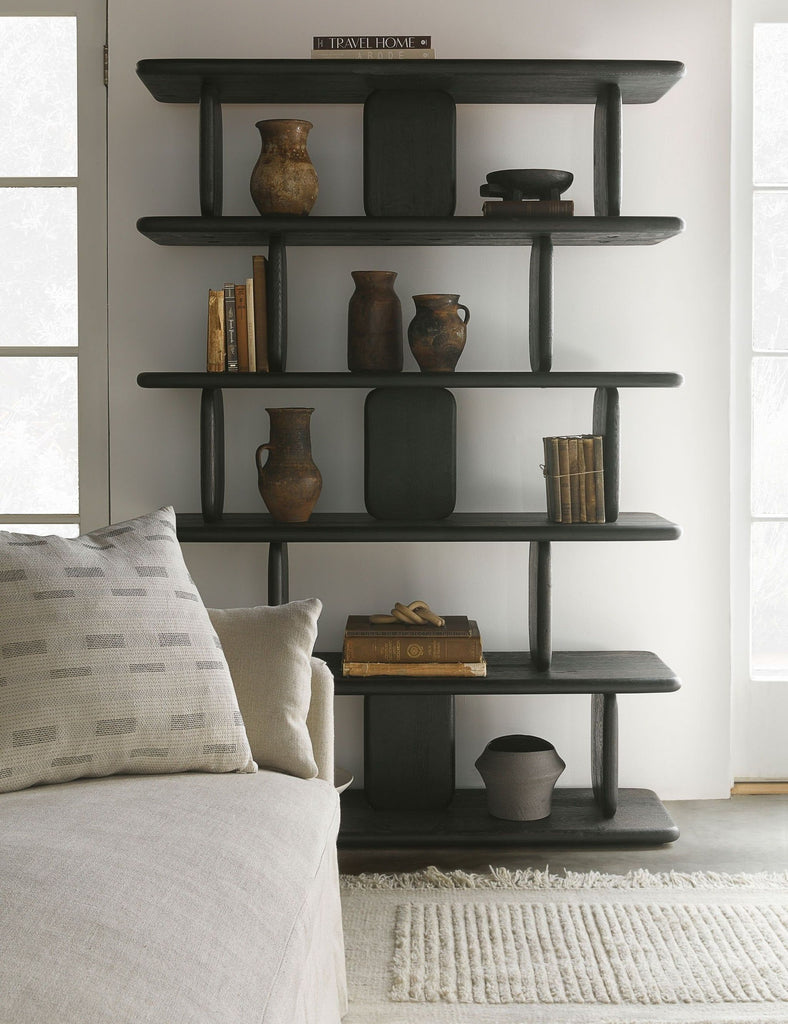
[289,481]
[437,333]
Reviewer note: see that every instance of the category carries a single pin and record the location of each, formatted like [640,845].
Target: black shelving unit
[409,723]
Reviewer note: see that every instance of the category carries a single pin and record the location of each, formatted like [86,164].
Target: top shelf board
[351,81]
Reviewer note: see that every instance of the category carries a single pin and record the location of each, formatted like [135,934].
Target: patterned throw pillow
[108,660]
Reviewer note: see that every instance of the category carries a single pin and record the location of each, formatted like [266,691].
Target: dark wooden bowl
[527,183]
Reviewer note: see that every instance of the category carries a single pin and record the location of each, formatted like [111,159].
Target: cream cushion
[269,649]
[108,660]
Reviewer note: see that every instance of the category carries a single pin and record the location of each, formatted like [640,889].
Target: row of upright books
[398,649]
[574,478]
[238,324]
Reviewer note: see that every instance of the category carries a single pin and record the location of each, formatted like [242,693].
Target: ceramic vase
[289,481]
[519,775]
[437,333]
[374,323]
[283,179]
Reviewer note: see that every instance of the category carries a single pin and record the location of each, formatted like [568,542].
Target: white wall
[661,307]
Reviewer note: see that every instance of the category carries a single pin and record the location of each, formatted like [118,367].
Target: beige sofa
[175,899]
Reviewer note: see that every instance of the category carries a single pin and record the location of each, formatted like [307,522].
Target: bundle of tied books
[574,478]
[397,648]
[238,324]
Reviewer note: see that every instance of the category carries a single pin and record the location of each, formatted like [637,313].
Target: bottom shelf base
[575,821]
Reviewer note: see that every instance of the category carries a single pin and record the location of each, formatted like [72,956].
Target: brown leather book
[529,208]
[259,287]
[458,641]
[242,328]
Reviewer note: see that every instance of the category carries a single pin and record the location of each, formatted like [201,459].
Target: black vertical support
[409,751]
[277,304]
[540,305]
[212,454]
[606,423]
[608,176]
[278,573]
[210,152]
[604,751]
[539,618]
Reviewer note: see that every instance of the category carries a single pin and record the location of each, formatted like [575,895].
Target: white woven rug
[532,948]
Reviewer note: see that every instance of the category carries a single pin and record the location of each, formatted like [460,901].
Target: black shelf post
[606,423]
[604,752]
[539,604]
[277,304]
[608,175]
[278,573]
[540,305]
[211,166]
[212,454]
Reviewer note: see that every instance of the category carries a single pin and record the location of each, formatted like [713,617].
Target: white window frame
[91,185]
[746,14]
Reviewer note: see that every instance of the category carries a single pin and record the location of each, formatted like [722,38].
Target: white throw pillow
[108,660]
[269,651]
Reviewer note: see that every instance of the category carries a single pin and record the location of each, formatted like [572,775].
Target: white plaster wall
[661,307]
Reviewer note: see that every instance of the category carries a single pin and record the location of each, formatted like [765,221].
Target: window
[53,270]
[759,362]
[769,356]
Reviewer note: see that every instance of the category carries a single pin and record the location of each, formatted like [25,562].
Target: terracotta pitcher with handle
[289,481]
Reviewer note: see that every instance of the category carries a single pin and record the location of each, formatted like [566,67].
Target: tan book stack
[397,649]
[238,324]
[574,478]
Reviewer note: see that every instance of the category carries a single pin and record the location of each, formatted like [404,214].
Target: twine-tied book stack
[574,478]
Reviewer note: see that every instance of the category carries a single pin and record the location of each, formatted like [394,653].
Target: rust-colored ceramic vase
[437,333]
[283,179]
[374,323]
[289,481]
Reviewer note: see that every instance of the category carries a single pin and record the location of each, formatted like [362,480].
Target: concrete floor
[744,833]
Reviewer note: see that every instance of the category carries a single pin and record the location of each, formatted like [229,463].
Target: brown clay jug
[289,481]
[283,179]
[437,332]
[374,324]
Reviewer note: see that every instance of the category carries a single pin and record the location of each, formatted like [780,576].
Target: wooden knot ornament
[417,613]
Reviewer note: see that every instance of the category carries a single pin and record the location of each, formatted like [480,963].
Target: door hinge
[106,64]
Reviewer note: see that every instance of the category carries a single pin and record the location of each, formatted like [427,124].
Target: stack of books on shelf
[380,47]
[529,208]
[574,478]
[397,649]
[238,324]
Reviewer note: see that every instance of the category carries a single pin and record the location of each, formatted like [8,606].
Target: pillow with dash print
[109,662]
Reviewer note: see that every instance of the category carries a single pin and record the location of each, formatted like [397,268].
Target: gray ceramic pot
[519,774]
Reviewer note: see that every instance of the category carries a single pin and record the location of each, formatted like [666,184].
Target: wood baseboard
[759,788]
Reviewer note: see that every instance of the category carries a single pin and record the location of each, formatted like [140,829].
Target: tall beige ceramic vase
[283,179]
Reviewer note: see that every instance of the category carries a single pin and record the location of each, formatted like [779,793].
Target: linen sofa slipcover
[175,899]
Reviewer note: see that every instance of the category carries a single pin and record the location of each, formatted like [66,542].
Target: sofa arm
[320,719]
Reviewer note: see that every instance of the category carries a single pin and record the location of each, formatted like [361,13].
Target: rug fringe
[532,878]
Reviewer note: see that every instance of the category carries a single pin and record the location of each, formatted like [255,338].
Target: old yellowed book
[216,346]
[412,668]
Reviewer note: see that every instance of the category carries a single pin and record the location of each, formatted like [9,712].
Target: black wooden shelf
[376,231]
[481,379]
[640,819]
[514,672]
[180,80]
[353,527]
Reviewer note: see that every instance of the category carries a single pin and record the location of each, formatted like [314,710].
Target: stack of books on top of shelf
[574,478]
[238,324]
[399,649]
[374,47]
[529,208]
